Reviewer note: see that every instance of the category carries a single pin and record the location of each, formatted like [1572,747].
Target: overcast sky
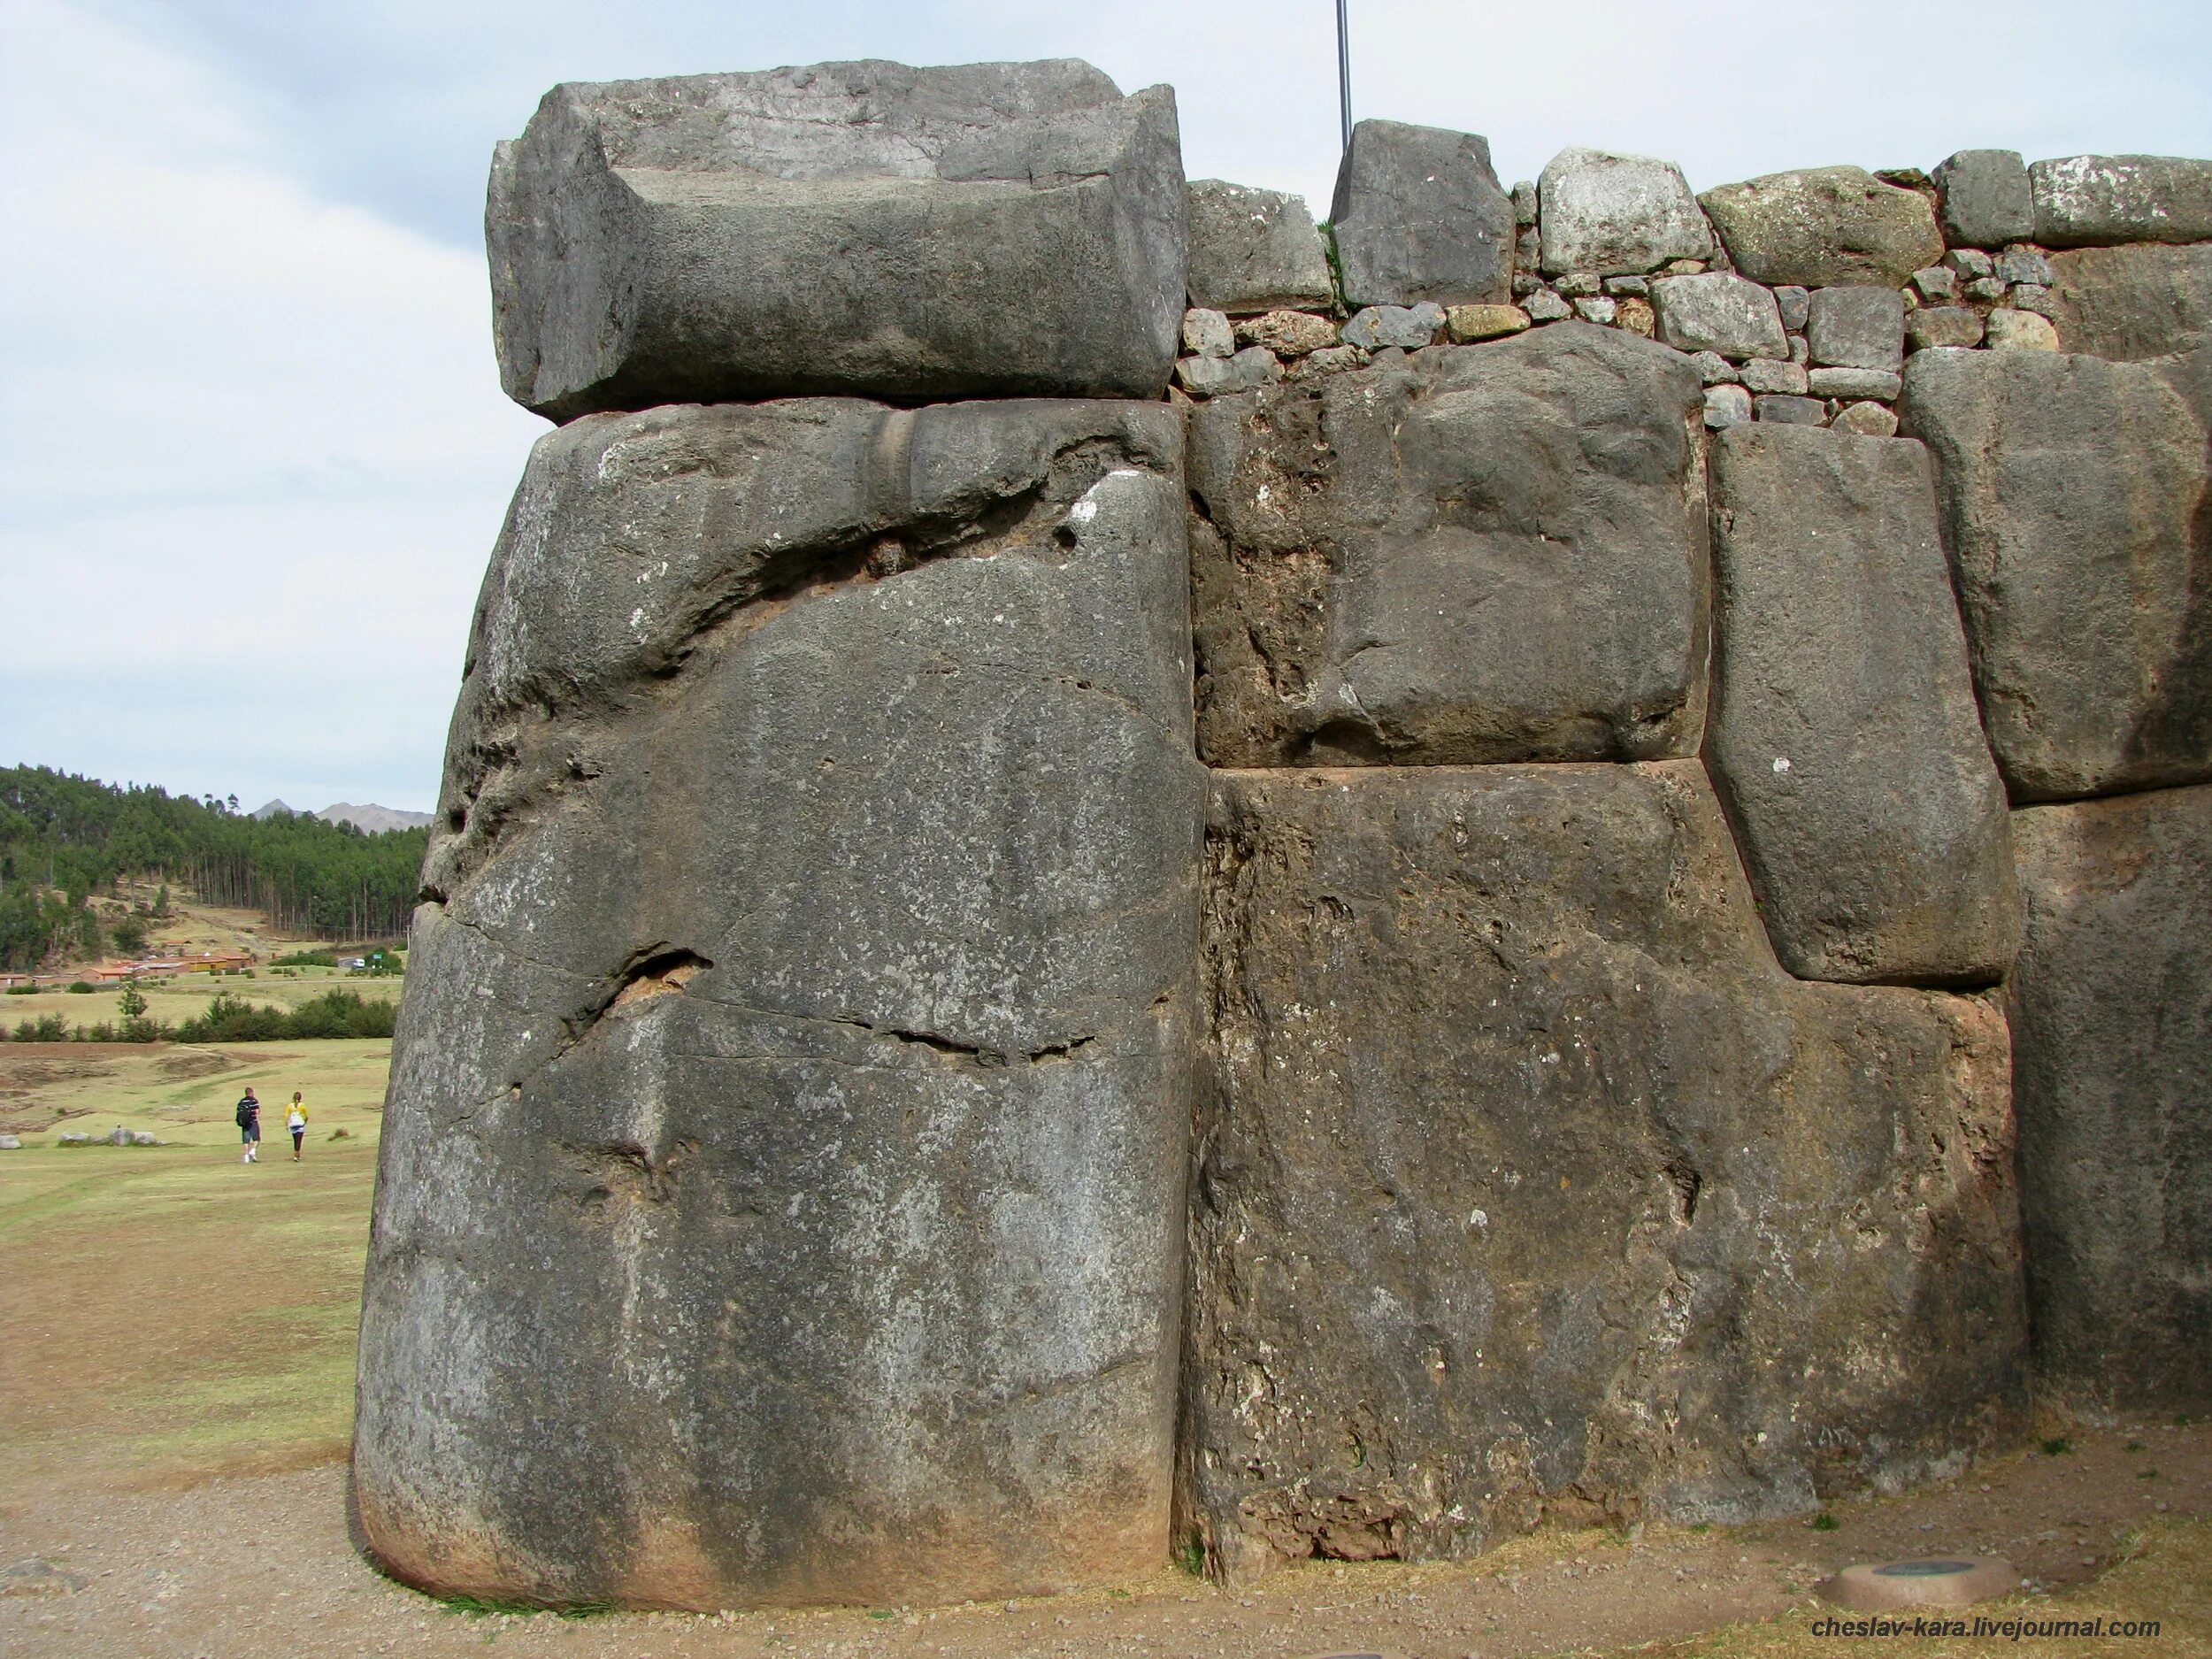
[255,450]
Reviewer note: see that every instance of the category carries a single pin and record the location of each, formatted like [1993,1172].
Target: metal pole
[1344,72]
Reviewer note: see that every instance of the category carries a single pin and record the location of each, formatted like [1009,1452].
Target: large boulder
[1419,215]
[2083,199]
[1825,226]
[1719,313]
[1528,1187]
[1253,251]
[1612,214]
[2111,1006]
[1843,734]
[2072,491]
[1496,554]
[992,229]
[785,1140]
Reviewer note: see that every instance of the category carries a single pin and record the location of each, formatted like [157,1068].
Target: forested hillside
[64,838]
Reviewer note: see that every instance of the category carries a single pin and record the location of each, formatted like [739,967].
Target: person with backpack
[296,1120]
[250,1126]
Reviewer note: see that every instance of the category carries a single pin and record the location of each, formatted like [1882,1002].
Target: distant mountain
[368,818]
[373,819]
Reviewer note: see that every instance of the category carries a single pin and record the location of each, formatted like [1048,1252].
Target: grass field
[178,999]
[166,1312]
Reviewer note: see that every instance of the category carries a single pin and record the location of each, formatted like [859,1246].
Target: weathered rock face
[2111,1003]
[2082,199]
[781,1166]
[1825,226]
[1419,215]
[1856,327]
[995,230]
[1612,214]
[1253,251]
[2133,302]
[1843,735]
[2072,493]
[1987,201]
[1496,554]
[1529,1187]
[1715,311]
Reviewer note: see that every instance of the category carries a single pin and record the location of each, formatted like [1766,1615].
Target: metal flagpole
[1344,72]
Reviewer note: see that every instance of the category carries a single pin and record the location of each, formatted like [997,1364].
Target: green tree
[161,903]
[130,936]
[132,1003]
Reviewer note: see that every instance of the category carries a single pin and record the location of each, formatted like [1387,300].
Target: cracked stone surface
[984,230]
[784,1155]
[1843,734]
[2111,1003]
[2074,500]
[1529,1188]
[1493,553]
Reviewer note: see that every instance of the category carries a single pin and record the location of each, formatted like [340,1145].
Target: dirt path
[253,1569]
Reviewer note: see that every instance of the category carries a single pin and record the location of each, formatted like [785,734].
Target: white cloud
[257,450]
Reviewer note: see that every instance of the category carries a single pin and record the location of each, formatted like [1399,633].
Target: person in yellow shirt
[296,1120]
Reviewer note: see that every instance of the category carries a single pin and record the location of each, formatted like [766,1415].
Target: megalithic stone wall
[1438,930]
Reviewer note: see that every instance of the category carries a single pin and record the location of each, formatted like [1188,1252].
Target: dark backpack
[248,1110]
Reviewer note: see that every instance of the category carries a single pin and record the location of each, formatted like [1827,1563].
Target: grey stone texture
[1795,305]
[1797,412]
[1856,328]
[1843,735]
[2021,331]
[2087,199]
[2135,303]
[1944,325]
[1987,201]
[1770,374]
[1726,406]
[1418,216]
[1528,1188]
[1409,328]
[1613,214]
[1009,229]
[1494,552]
[1717,311]
[1824,226]
[1207,334]
[2111,1010]
[1854,383]
[1286,334]
[1215,376]
[2073,492]
[780,1172]
[1253,251]
[1869,420]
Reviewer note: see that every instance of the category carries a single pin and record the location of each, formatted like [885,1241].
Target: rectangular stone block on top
[1843,734]
[2084,199]
[1419,215]
[2135,301]
[1011,229]
[1529,1190]
[1824,226]
[2072,493]
[782,1165]
[1253,251]
[1612,213]
[1494,552]
[1985,198]
[2111,1010]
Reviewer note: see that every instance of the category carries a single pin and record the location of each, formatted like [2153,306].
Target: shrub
[46,1028]
[77,987]
[307,959]
[336,1013]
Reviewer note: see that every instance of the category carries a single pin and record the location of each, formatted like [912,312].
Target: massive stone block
[2073,490]
[1009,229]
[1496,554]
[1985,198]
[2111,1007]
[1419,215]
[782,1163]
[1843,735]
[1824,227]
[2081,199]
[1611,213]
[2130,304]
[1529,1187]
[1253,251]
